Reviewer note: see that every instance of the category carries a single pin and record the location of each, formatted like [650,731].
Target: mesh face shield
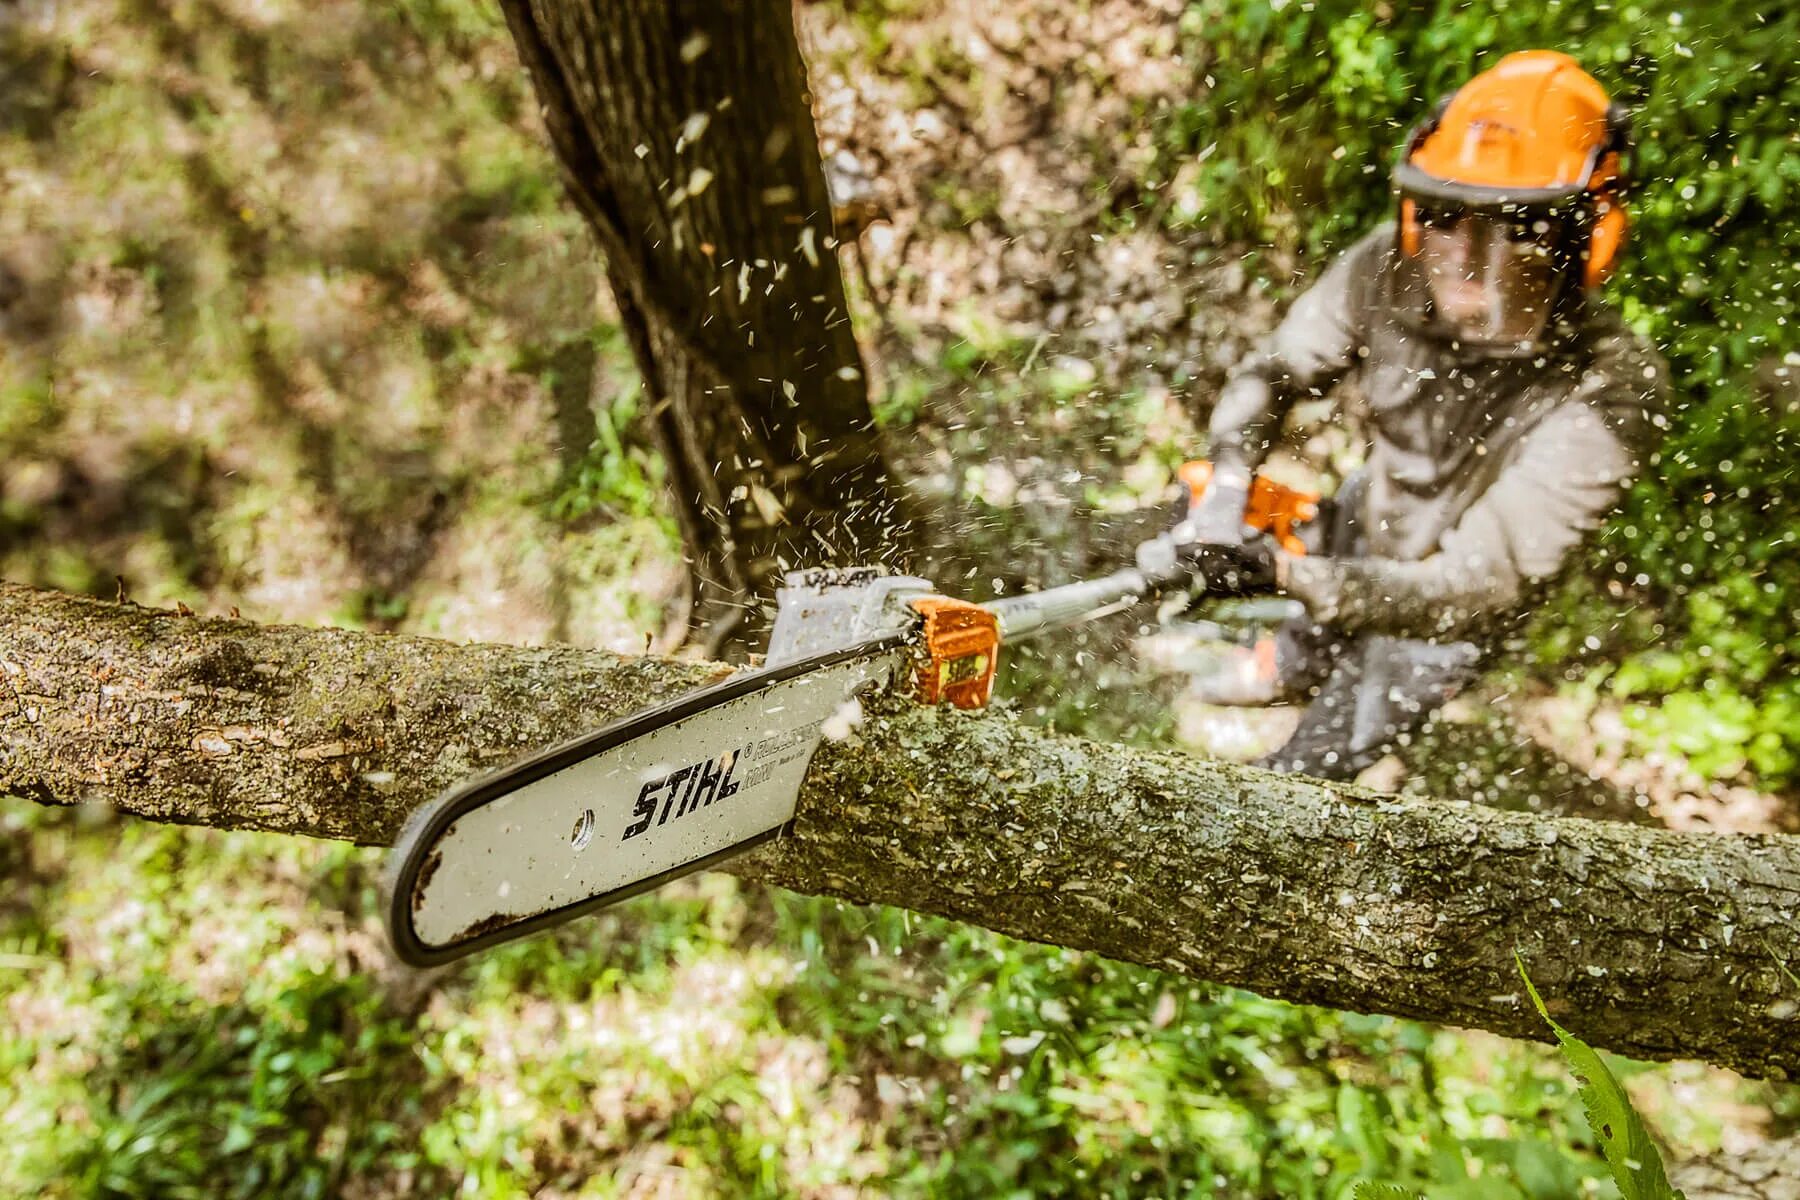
[1488,279]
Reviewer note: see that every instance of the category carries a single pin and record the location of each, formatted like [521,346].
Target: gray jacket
[1485,472]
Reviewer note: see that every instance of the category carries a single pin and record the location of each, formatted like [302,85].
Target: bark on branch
[1654,944]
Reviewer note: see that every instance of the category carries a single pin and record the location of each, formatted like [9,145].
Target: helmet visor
[1491,277]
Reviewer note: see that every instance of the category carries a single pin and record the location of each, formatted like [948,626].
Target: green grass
[196,1013]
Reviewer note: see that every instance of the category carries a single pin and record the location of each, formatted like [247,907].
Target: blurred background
[296,320]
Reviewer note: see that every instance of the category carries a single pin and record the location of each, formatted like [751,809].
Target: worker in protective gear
[1507,409]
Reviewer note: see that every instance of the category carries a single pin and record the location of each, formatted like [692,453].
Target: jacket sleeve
[1315,344]
[1563,479]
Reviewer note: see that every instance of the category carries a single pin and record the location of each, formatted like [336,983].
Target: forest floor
[294,320]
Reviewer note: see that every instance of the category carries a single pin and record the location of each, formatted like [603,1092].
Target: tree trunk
[687,141]
[1650,943]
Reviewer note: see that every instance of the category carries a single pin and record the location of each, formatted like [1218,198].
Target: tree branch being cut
[1652,943]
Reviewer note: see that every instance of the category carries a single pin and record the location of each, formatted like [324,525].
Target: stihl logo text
[681,792]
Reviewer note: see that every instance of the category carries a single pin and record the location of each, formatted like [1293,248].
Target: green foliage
[618,475]
[1288,142]
[898,406]
[371,608]
[1631,1156]
[1636,1163]
[1384,1191]
[284,1096]
[27,404]
[1720,730]
[1038,1069]
[220,1039]
[154,1069]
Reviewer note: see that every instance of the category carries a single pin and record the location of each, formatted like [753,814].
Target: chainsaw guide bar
[616,812]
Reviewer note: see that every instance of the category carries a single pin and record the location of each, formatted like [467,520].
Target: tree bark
[687,141]
[1651,943]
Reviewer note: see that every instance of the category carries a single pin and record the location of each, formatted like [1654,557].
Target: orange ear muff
[1606,240]
[1409,228]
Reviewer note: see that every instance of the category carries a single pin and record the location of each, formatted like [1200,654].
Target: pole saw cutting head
[956,643]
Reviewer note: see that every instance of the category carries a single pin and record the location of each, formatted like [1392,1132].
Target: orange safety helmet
[1533,133]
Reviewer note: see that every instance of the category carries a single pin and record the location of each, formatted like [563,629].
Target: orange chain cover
[1273,508]
[960,648]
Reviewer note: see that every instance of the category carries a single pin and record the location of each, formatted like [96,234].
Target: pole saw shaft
[1058,607]
[1273,509]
